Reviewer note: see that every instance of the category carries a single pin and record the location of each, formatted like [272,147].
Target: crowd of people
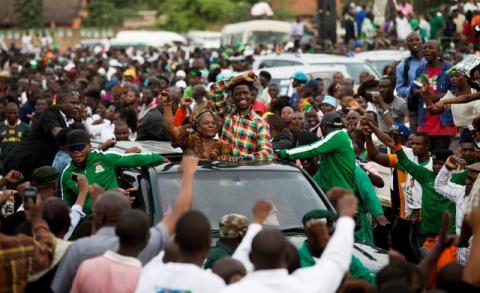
[68,224]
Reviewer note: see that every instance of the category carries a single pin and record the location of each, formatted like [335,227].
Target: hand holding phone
[29,197]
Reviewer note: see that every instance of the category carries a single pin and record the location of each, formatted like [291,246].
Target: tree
[29,13]
[184,15]
[101,13]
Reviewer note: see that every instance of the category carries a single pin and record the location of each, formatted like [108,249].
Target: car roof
[309,58]
[149,146]
[206,166]
[387,55]
[286,72]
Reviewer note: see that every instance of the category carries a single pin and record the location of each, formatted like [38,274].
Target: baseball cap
[195,72]
[78,136]
[130,72]
[402,129]
[329,100]
[44,175]
[300,76]
[232,226]
[312,83]
[332,119]
[181,83]
[318,214]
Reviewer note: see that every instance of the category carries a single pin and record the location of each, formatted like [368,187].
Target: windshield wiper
[298,229]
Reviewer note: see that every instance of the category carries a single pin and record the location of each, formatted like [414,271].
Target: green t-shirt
[11,136]
[337,160]
[100,169]
[433,204]
[219,251]
[357,270]
[436,24]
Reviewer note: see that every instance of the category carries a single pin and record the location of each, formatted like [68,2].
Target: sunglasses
[77,148]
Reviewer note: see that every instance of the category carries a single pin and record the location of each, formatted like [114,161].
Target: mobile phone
[29,193]
[74,177]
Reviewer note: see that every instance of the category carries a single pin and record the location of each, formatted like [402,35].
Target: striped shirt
[249,135]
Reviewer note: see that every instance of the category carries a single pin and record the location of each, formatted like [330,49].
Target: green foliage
[102,13]
[184,15]
[29,13]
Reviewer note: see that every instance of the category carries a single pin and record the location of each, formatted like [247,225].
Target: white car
[353,66]
[282,76]
[381,58]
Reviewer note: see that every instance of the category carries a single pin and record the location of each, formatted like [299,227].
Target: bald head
[229,269]
[109,207]
[268,250]
[133,229]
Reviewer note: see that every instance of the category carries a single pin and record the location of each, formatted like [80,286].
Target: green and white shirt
[337,160]
[100,169]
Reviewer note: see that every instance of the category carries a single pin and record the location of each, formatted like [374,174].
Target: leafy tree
[29,13]
[184,15]
[102,13]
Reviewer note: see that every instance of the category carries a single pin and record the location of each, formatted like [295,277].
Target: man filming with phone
[97,166]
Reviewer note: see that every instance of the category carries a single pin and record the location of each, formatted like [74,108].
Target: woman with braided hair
[200,138]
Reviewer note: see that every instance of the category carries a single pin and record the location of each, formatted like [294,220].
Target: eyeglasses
[77,148]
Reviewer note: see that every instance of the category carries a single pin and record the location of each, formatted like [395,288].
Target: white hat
[181,83]
[114,63]
[181,74]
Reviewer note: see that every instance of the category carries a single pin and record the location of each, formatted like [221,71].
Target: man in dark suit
[40,146]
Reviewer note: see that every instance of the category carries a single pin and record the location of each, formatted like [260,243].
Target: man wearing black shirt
[40,146]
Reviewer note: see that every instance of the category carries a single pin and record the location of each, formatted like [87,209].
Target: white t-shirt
[412,188]
[178,277]
[403,28]
[463,114]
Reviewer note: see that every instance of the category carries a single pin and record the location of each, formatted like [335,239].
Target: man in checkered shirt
[246,132]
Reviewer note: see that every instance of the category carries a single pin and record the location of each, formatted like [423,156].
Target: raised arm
[188,167]
[168,117]
[373,154]
[443,186]
[327,274]
[261,210]
[333,140]
[382,136]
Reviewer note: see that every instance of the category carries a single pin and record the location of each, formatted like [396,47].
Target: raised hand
[261,210]
[347,206]
[188,166]
[166,97]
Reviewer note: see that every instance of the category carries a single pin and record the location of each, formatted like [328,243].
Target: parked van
[204,39]
[255,32]
[149,38]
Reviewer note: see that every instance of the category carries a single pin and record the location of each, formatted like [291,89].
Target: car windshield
[354,69]
[259,37]
[218,193]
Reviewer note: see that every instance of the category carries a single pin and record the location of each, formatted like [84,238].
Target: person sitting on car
[199,140]
[243,130]
[97,166]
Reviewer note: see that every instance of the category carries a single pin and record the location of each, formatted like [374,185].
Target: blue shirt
[402,86]
[27,109]
[60,162]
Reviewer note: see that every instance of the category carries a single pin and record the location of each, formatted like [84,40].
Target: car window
[280,63]
[354,70]
[219,193]
[266,64]
[326,77]
[283,85]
